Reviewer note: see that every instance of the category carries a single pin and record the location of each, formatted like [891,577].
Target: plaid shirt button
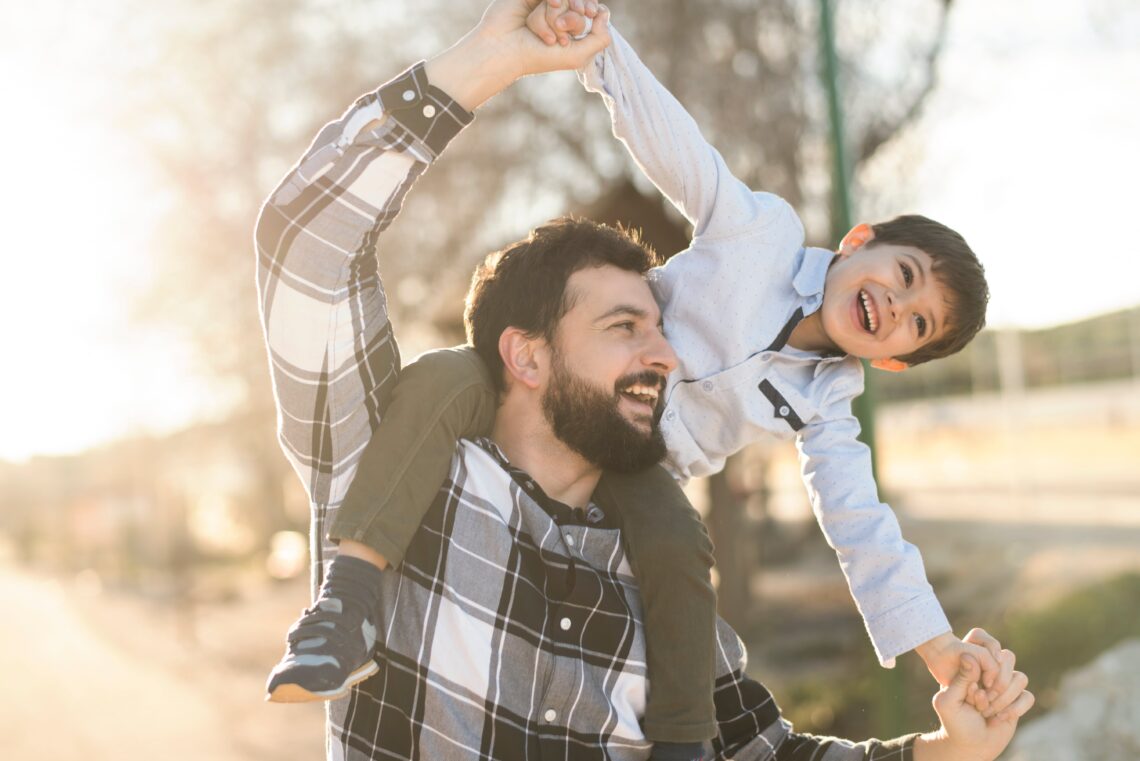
[569,540]
[564,624]
[550,714]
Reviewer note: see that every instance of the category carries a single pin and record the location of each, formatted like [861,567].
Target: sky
[1028,147]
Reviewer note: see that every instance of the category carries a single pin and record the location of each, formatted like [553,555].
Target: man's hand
[500,49]
[943,655]
[558,21]
[967,735]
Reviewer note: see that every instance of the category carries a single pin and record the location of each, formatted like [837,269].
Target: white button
[550,714]
[565,624]
[409,95]
[569,539]
[707,385]
[670,415]
[784,410]
[429,110]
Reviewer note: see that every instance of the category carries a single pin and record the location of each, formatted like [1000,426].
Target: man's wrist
[472,71]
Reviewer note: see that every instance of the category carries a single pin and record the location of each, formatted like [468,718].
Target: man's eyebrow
[623,310]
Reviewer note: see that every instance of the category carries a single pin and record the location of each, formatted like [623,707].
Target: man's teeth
[647,393]
[869,320]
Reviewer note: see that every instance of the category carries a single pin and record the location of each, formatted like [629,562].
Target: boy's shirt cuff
[906,627]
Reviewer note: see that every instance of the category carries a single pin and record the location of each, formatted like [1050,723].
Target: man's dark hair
[524,285]
[956,267]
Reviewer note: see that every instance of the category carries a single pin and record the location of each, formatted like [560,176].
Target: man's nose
[659,354]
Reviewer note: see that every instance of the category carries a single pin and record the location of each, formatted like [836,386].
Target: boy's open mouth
[870,319]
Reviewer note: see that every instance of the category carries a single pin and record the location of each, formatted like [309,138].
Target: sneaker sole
[295,693]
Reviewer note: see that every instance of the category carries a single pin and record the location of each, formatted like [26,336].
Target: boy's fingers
[982,638]
[1018,707]
[1001,681]
[1017,684]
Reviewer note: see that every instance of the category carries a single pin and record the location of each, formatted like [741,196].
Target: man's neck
[525,437]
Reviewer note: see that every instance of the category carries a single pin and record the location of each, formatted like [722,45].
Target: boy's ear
[890,364]
[520,357]
[859,236]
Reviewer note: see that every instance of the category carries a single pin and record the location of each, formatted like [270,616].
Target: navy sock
[354,582]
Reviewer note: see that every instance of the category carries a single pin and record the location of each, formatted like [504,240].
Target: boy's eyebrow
[932,328]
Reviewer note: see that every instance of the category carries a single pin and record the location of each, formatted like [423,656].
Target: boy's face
[882,301]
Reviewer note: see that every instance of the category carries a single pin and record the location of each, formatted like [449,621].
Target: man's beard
[590,422]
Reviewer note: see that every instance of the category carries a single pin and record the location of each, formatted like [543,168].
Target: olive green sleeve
[442,396]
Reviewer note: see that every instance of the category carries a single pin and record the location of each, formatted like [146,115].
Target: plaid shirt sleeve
[751,728]
[332,355]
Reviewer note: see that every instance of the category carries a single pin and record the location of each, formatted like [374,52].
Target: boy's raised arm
[669,148]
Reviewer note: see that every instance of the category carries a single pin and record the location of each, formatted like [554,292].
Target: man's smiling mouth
[870,319]
[640,392]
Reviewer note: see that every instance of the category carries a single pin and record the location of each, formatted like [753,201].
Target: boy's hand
[943,654]
[965,733]
[558,21]
[500,49]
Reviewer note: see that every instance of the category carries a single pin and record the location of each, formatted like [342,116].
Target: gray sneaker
[328,650]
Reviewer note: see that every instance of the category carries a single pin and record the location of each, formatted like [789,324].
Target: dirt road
[103,679]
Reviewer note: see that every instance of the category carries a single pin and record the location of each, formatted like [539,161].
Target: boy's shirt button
[784,410]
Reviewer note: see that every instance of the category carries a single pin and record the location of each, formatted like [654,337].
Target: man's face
[608,363]
[882,300]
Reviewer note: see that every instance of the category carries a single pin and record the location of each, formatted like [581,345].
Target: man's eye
[629,326]
[921,322]
[908,275]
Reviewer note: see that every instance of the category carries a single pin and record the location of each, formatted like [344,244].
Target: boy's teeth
[870,322]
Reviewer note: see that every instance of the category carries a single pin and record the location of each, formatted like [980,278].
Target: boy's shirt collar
[811,276]
[808,282]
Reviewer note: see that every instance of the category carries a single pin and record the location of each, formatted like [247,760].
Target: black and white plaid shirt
[512,630]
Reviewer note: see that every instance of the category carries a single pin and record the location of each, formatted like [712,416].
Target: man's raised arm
[332,354]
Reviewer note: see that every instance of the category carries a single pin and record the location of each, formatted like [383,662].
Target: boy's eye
[921,322]
[908,275]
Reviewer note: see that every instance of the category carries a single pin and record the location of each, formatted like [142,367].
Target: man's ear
[859,236]
[519,353]
[890,364]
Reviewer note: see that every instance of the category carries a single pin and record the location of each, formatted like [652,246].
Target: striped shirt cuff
[427,112]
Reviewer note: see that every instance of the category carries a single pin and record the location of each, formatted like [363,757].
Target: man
[512,627]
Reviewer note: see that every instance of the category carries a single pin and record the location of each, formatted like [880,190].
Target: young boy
[769,335]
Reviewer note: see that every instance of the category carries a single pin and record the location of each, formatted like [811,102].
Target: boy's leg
[671,555]
[442,396]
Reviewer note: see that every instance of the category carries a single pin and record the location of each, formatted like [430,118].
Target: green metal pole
[889,685]
[841,194]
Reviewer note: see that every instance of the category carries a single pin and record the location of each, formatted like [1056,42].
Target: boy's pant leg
[671,554]
[441,397]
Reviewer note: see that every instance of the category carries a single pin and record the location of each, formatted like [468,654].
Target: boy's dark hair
[956,267]
[524,285]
